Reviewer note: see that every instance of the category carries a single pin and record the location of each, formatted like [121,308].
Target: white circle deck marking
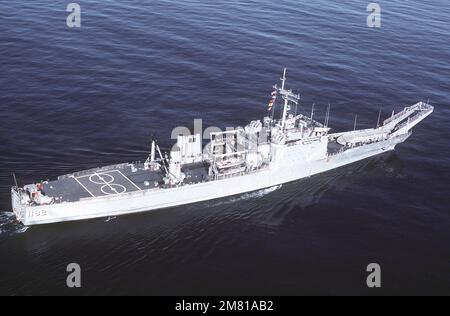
[101,178]
[111,189]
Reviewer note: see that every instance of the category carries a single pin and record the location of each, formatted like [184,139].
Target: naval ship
[263,154]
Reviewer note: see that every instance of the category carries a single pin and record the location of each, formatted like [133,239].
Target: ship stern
[18,207]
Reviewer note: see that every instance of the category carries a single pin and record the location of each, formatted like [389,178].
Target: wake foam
[110,218]
[256,194]
[247,196]
[9,225]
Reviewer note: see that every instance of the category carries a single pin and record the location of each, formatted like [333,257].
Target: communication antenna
[286,99]
[15,180]
[312,111]
[283,80]
[354,126]
[153,151]
[379,118]
[327,116]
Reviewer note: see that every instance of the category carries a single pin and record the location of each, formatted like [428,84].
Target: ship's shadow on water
[306,193]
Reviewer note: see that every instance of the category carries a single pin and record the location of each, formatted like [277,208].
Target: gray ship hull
[287,169]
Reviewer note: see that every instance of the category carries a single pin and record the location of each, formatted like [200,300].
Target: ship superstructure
[260,155]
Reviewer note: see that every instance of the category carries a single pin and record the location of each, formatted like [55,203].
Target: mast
[153,152]
[327,116]
[163,161]
[283,80]
[379,119]
[15,179]
[288,96]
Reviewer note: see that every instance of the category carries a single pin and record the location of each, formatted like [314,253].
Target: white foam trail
[248,196]
[257,194]
[20,230]
[9,225]
[111,218]
[5,218]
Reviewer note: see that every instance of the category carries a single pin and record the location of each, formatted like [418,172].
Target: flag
[273,99]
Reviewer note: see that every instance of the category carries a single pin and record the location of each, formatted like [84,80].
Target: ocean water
[72,99]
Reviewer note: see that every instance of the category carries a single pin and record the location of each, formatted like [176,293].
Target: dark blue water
[72,99]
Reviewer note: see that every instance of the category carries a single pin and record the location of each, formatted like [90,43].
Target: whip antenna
[15,180]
